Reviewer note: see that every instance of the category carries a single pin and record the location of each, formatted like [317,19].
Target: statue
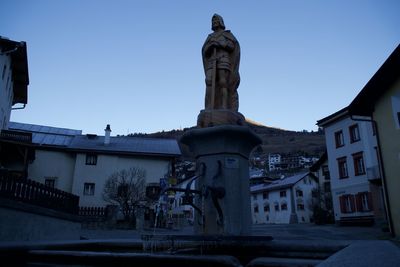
[221,56]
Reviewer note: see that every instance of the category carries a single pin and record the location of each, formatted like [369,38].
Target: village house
[353,167]
[286,200]
[14,146]
[379,101]
[80,164]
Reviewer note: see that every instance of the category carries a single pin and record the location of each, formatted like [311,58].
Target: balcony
[15,136]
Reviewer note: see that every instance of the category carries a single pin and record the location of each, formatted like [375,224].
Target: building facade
[80,164]
[380,101]
[284,201]
[353,163]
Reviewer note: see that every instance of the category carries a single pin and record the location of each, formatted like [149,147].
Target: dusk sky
[137,64]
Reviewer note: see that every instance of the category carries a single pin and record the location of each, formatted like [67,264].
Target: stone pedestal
[222,154]
[215,117]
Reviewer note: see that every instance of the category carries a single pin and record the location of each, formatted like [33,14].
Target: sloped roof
[73,140]
[364,103]
[129,145]
[46,135]
[279,184]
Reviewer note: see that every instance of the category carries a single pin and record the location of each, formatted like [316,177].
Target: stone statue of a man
[221,56]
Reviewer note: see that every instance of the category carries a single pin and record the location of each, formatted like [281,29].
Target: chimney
[107,131]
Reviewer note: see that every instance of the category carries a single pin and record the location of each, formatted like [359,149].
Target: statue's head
[217,22]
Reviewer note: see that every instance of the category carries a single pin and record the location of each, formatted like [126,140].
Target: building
[379,101]
[273,161]
[324,197]
[287,200]
[353,164]
[14,78]
[14,146]
[80,164]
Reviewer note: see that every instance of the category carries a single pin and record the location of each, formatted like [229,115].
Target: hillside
[274,140]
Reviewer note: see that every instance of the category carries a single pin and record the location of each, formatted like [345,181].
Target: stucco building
[379,100]
[80,164]
[286,200]
[353,166]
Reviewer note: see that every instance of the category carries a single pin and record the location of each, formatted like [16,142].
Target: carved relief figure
[221,56]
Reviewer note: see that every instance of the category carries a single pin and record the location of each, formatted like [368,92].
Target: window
[342,165]
[339,140]
[255,209]
[300,206]
[347,204]
[266,207]
[299,193]
[359,168]
[354,133]
[283,206]
[325,172]
[50,182]
[276,207]
[91,159]
[265,195]
[282,193]
[364,201]
[254,197]
[88,189]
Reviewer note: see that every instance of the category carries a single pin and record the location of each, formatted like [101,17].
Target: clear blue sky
[137,64]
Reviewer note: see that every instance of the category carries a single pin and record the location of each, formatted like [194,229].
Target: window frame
[91,159]
[282,193]
[339,139]
[354,132]
[50,182]
[89,189]
[358,163]
[342,167]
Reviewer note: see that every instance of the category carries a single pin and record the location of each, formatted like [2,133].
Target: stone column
[222,154]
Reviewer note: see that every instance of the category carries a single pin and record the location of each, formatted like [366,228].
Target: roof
[127,145]
[319,163]
[333,117]
[19,66]
[388,73]
[280,184]
[73,140]
[46,135]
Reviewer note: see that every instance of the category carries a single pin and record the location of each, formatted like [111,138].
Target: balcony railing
[35,193]
[16,136]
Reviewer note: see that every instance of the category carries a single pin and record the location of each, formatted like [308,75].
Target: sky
[137,65]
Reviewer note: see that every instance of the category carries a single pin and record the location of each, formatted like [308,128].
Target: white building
[80,164]
[14,78]
[353,166]
[286,200]
[273,160]
[15,147]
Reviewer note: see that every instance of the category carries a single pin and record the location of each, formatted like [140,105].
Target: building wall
[306,185]
[353,184]
[6,92]
[106,165]
[53,164]
[385,114]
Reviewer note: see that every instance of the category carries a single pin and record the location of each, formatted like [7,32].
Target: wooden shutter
[359,202]
[370,201]
[352,203]
[342,204]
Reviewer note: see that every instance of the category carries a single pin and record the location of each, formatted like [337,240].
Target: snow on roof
[278,184]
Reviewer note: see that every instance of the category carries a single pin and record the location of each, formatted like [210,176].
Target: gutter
[381,169]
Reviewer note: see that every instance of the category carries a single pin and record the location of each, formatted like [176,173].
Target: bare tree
[126,188]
